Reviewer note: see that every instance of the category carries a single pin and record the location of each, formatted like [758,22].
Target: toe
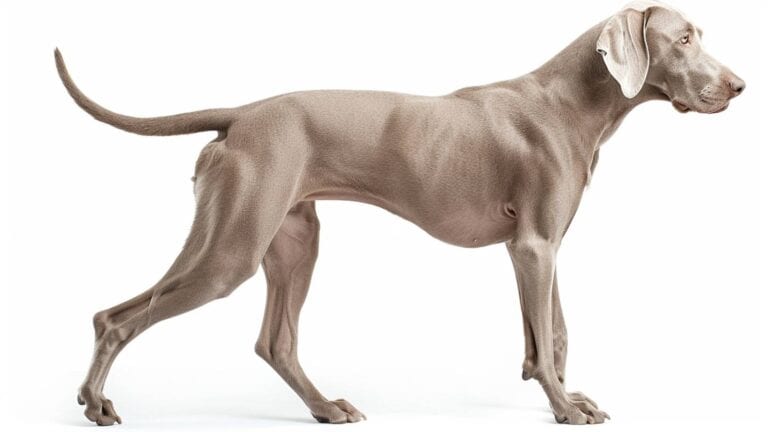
[337,411]
[594,415]
[578,418]
[100,411]
[574,417]
[107,407]
[353,414]
[327,412]
[105,421]
[320,419]
[579,396]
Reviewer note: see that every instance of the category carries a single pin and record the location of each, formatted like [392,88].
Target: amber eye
[685,40]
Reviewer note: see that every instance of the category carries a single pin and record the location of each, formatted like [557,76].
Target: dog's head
[651,44]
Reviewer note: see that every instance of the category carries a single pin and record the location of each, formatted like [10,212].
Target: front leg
[534,262]
[559,336]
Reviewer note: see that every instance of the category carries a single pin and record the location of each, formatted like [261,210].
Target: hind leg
[288,265]
[238,213]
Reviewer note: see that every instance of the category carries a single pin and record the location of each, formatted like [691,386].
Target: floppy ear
[625,50]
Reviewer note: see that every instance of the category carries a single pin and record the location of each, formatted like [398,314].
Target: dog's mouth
[681,107]
[706,106]
[721,109]
[714,106]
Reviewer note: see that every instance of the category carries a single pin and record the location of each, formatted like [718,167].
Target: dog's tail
[198,121]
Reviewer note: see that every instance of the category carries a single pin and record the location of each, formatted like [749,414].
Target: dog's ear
[624,49]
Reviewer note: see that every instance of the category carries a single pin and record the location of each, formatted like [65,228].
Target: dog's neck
[579,81]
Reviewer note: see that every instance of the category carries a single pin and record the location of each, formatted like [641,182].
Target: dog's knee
[227,283]
[101,322]
[225,275]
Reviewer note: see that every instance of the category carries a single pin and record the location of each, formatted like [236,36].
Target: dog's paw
[580,410]
[98,409]
[338,411]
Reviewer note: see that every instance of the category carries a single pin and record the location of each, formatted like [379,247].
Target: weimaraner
[503,162]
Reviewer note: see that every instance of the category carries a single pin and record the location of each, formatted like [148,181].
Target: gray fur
[504,162]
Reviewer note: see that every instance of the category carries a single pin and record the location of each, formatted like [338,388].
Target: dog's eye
[685,40]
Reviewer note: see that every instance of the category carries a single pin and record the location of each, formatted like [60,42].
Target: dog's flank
[179,124]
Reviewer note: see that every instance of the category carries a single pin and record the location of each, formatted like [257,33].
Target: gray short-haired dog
[504,162]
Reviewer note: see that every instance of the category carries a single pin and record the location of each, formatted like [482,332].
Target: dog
[504,162]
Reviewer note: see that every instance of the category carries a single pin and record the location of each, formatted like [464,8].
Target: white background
[662,276]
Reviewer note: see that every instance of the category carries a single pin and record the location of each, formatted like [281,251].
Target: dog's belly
[466,226]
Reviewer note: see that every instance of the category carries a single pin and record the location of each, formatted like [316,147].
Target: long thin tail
[198,121]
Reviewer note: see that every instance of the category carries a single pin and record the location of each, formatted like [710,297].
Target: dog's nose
[736,84]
